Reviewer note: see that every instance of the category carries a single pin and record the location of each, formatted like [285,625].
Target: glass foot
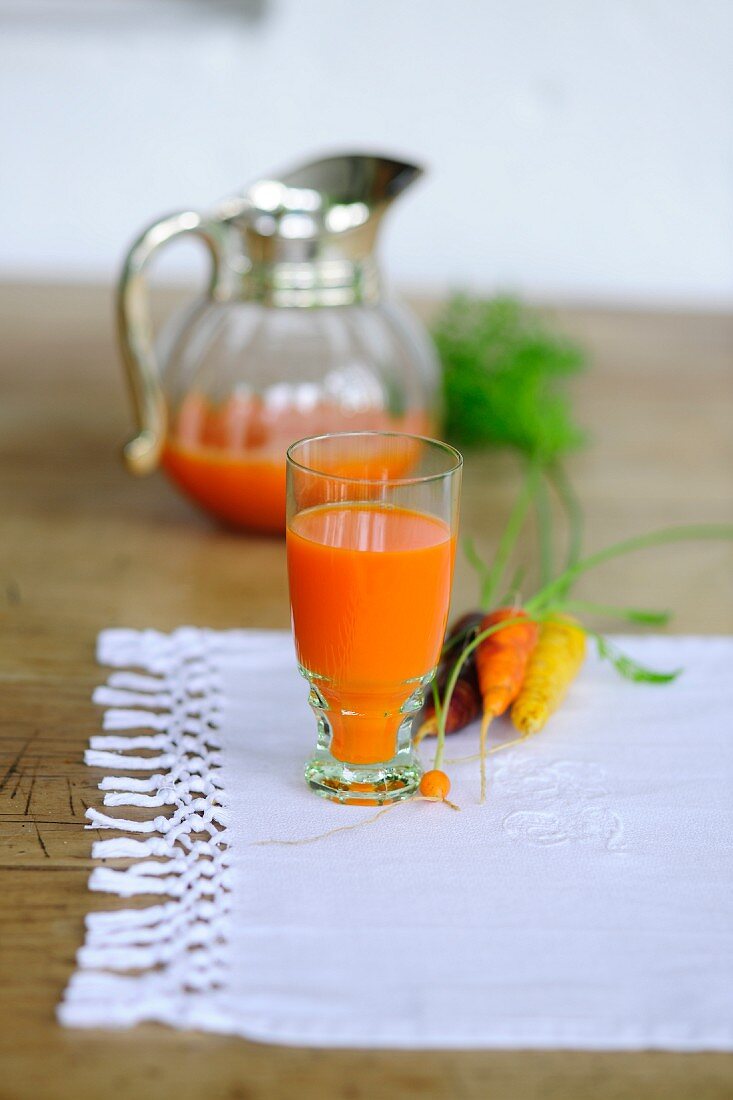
[363,784]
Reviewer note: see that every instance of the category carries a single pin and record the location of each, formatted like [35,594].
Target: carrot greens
[550,607]
[505,373]
[629,668]
[505,385]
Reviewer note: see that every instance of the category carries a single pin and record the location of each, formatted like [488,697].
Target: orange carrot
[435,784]
[501,661]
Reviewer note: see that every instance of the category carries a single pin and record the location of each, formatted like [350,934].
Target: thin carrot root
[508,744]
[485,723]
[490,752]
[330,832]
[357,824]
[445,801]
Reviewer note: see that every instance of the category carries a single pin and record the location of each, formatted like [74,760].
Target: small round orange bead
[435,784]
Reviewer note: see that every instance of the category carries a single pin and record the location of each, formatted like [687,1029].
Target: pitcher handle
[142,452]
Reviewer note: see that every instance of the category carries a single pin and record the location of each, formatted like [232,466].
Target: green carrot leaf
[638,615]
[648,617]
[629,668]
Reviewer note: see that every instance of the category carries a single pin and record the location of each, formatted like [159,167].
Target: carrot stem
[453,642]
[573,510]
[436,700]
[512,595]
[656,538]
[510,534]
[641,615]
[543,509]
[475,560]
[482,756]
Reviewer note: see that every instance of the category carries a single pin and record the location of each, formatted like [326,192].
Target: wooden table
[84,546]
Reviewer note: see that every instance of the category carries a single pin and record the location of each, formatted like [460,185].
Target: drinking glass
[372,519]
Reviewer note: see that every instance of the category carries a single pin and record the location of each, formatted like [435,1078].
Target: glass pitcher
[292,338]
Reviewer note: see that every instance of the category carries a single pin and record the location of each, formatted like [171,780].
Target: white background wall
[577,148]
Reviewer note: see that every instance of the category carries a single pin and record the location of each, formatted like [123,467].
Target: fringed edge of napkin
[153,962]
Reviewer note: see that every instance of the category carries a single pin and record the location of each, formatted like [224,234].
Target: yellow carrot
[553,665]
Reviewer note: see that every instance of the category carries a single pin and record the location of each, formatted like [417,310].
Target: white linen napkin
[587,904]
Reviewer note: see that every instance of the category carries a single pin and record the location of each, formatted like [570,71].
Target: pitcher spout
[308,235]
[348,178]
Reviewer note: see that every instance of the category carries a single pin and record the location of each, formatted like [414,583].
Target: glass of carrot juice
[372,519]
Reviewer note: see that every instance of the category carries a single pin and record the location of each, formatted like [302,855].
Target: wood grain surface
[83,546]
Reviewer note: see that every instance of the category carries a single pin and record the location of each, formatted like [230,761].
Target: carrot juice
[243,490]
[230,458]
[369,591]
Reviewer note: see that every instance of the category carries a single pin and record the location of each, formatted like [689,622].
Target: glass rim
[447,448]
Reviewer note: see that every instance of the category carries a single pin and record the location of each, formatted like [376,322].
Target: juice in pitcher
[230,459]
